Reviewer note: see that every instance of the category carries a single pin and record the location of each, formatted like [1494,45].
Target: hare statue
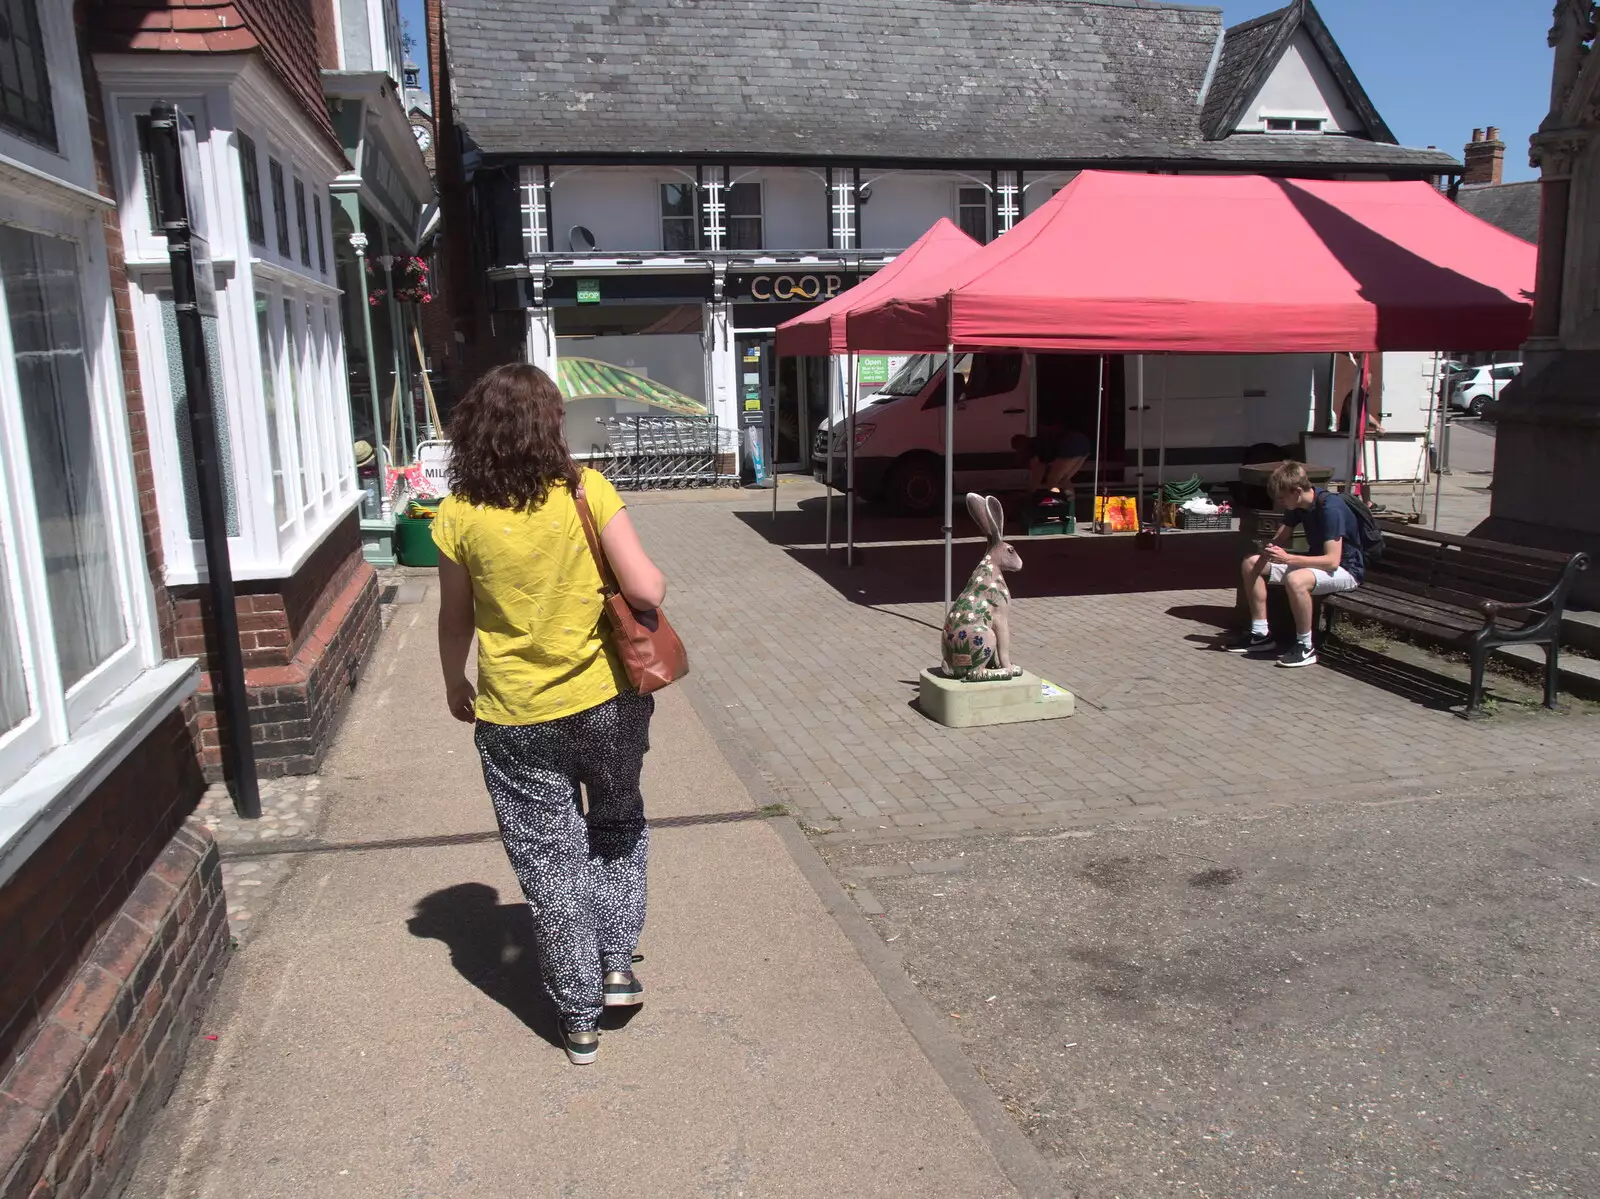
[977,633]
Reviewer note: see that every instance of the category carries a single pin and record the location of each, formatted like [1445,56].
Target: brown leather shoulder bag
[649,649]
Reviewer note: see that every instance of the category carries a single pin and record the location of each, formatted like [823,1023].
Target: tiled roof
[283,31]
[1513,207]
[1320,149]
[1250,52]
[1026,79]
[1245,64]
[1029,81]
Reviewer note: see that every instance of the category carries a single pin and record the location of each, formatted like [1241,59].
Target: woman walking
[552,706]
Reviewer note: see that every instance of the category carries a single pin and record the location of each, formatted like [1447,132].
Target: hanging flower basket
[411,285]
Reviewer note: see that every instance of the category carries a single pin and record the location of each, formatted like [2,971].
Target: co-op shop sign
[809,288]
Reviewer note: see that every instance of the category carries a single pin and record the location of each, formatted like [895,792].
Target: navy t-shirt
[1327,518]
[1053,444]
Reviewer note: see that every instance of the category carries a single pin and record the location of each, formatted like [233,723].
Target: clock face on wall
[424,136]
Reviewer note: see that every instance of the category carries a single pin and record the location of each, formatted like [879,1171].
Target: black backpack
[1368,535]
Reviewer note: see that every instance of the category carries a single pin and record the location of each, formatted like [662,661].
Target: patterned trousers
[583,873]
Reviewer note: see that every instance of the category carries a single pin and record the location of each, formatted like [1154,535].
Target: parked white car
[1481,387]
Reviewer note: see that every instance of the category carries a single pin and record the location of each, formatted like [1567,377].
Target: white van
[1215,412]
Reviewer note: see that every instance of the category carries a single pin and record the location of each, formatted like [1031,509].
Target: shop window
[179,391]
[25,105]
[679,222]
[250,179]
[744,216]
[302,224]
[972,212]
[280,206]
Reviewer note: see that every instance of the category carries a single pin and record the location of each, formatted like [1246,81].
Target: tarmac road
[1347,999]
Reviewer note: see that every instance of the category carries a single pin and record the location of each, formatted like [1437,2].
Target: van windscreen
[911,378]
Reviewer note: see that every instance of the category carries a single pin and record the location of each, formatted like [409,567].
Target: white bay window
[278,380]
[81,676]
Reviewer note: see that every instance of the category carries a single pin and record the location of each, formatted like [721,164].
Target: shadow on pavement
[1218,616]
[491,944]
[1052,566]
[1437,692]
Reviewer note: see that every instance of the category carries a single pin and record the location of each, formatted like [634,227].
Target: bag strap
[607,583]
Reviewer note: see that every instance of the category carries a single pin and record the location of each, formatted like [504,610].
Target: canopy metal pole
[1439,464]
[1138,391]
[827,469]
[1099,422]
[949,468]
[1358,407]
[1161,453]
[850,466]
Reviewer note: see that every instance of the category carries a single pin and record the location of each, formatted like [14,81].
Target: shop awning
[822,330]
[1132,263]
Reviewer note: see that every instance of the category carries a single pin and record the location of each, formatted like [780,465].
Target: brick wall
[305,641]
[111,932]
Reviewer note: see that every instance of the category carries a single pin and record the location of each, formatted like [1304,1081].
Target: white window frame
[988,208]
[241,96]
[72,738]
[58,713]
[729,216]
[697,234]
[72,161]
[1323,119]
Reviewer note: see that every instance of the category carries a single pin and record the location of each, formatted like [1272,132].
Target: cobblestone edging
[291,812]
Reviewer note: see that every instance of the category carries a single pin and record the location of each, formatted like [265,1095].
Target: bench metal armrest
[1492,608]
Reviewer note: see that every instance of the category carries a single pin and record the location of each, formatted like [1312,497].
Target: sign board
[799,286]
[434,459]
[588,291]
[872,369]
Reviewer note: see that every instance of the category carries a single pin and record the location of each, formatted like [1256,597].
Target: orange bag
[1117,513]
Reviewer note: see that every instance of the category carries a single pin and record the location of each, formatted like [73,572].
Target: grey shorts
[1327,584]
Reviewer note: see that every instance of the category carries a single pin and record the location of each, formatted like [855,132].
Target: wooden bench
[1465,593]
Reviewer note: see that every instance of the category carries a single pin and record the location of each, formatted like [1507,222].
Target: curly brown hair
[507,445]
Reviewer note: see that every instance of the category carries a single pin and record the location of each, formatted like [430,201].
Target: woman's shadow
[492,946]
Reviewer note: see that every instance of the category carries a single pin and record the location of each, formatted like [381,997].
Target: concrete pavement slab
[383,1034]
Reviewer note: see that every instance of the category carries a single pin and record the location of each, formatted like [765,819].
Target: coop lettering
[795,287]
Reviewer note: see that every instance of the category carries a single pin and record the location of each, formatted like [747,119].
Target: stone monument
[1547,453]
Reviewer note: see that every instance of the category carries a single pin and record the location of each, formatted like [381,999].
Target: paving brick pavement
[813,668]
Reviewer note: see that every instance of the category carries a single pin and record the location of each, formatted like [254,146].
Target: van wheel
[1262,451]
[915,486]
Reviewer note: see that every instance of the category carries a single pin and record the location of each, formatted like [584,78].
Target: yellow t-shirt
[537,603]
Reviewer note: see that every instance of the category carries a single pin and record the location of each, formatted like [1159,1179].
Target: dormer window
[1293,124]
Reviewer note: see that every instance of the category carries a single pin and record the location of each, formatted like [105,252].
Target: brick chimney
[1485,157]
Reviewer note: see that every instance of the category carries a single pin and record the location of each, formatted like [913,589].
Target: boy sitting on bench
[1332,563]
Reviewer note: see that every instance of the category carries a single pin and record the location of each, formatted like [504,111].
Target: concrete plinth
[1547,455]
[960,705]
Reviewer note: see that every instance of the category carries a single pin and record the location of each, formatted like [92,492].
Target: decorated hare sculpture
[977,633]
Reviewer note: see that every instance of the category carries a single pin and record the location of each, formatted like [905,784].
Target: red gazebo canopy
[1131,263]
[822,330]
